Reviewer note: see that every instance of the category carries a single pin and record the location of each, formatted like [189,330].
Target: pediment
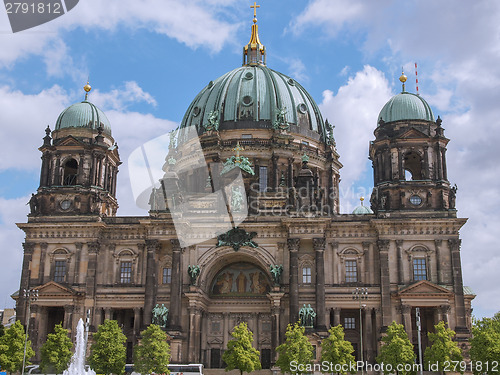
[424,288]
[413,134]
[215,340]
[53,289]
[69,141]
[265,340]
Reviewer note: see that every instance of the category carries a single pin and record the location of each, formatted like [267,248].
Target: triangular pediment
[265,340]
[69,141]
[424,288]
[215,340]
[53,289]
[413,134]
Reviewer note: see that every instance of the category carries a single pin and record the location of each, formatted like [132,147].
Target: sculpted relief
[240,279]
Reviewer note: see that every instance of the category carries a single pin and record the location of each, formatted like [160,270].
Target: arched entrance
[236,287]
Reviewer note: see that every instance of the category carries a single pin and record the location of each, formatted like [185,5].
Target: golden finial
[403,78]
[254,53]
[254,6]
[87,89]
[361,199]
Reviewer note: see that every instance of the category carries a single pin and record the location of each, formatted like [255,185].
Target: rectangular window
[126,272]
[419,269]
[306,275]
[59,271]
[351,271]
[349,323]
[167,275]
[262,179]
[246,136]
[215,327]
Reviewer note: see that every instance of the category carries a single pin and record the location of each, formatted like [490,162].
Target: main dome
[253,97]
[406,106]
[83,115]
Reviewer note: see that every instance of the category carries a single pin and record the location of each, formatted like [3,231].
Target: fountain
[77,364]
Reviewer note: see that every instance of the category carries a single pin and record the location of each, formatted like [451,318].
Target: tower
[79,164]
[409,160]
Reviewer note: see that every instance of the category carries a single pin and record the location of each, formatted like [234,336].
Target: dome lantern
[254,53]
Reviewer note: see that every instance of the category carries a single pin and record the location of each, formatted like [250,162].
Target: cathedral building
[247,227]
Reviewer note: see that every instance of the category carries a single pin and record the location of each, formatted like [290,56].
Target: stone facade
[404,254]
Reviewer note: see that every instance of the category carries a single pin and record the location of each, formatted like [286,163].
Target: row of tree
[107,353]
[152,354]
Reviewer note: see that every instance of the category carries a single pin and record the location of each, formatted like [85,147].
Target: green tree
[443,348]
[56,352]
[485,344]
[240,353]
[152,354]
[108,352]
[396,349]
[335,349]
[295,351]
[2,330]
[12,348]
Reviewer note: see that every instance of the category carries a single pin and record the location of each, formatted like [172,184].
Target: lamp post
[31,295]
[360,294]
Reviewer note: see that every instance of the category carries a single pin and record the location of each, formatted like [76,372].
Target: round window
[248,75]
[415,200]
[65,204]
[247,100]
[302,108]
[291,82]
[196,111]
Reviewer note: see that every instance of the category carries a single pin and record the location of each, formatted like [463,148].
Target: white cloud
[119,99]
[190,22]
[457,48]
[11,238]
[297,70]
[354,111]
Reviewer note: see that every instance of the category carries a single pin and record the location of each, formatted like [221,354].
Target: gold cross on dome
[254,6]
[238,148]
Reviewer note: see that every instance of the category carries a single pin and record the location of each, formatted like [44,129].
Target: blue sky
[148,59]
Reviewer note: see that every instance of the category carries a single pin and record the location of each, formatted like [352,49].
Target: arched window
[413,166]
[70,172]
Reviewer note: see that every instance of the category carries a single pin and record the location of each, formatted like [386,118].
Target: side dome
[83,115]
[252,96]
[406,106]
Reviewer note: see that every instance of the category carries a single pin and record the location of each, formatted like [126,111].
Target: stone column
[41,270]
[385,286]
[194,343]
[443,312]
[293,248]
[439,174]
[93,251]
[152,247]
[368,333]
[137,322]
[336,316]
[290,172]
[438,244]
[406,314]
[426,169]
[175,286]
[275,298]
[399,247]
[319,248]
[107,313]
[458,288]
[25,280]
[68,312]
[445,172]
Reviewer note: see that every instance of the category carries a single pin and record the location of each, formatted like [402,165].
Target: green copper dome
[254,96]
[406,106]
[83,115]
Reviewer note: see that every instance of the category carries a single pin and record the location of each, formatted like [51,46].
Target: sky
[146,61]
